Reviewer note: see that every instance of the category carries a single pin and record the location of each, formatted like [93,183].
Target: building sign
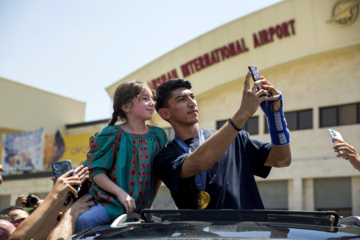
[215,56]
[23,151]
[219,54]
[164,77]
[266,36]
[344,12]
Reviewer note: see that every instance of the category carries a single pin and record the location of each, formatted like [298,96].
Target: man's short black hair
[164,91]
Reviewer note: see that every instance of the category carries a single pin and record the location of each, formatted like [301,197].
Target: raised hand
[347,151]
[64,184]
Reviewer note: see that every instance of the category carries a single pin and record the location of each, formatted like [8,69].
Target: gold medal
[202,200]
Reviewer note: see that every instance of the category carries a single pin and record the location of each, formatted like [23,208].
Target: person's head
[16,213]
[129,94]
[6,229]
[175,101]
[4,216]
[165,90]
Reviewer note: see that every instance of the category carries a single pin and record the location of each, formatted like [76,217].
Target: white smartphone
[336,134]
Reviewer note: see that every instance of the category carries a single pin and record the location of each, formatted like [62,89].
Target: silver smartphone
[336,134]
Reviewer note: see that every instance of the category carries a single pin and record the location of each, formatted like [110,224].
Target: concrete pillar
[308,195]
[355,195]
[295,189]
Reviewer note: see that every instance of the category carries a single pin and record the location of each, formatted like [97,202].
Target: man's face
[17,214]
[182,108]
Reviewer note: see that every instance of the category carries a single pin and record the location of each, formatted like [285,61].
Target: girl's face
[143,105]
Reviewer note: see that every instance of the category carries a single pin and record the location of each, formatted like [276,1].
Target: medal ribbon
[200,179]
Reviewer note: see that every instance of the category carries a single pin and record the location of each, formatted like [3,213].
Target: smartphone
[336,134]
[61,167]
[255,75]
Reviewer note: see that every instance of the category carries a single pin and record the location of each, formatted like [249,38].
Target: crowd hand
[1,170]
[82,172]
[347,151]
[127,201]
[21,201]
[66,227]
[64,184]
[83,204]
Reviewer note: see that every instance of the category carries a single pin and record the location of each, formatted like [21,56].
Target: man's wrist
[233,125]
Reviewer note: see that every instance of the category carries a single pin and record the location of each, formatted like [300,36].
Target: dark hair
[124,94]
[164,91]
[11,208]
[5,217]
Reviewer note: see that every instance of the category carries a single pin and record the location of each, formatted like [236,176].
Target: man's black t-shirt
[230,182]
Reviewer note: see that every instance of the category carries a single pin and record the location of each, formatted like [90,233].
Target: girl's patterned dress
[127,159]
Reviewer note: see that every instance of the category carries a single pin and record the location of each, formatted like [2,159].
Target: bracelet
[234,126]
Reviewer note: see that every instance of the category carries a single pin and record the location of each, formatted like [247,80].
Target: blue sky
[77,48]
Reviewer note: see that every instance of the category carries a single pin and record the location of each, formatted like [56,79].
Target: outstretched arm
[208,153]
[44,214]
[66,226]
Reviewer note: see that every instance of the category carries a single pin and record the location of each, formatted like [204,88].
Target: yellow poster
[76,147]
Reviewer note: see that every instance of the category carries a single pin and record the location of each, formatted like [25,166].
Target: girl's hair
[124,94]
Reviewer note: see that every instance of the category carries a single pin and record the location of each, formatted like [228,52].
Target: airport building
[309,50]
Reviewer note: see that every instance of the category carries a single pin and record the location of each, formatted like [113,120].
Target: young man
[215,169]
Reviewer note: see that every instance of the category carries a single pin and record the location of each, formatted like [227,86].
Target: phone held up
[336,134]
[61,167]
[255,75]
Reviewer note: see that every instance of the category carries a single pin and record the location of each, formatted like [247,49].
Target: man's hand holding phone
[272,106]
[64,184]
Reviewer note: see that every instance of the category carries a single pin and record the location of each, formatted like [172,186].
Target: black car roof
[228,224]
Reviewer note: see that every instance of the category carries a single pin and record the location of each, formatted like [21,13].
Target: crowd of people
[126,162]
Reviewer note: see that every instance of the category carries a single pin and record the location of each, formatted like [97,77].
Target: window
[333,194]
[297,120]
[251,125]
[274,194]
[219,124]
[340,115]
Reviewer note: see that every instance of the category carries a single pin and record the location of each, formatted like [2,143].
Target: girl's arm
[103,181]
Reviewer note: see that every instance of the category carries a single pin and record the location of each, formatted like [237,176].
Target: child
[121,156]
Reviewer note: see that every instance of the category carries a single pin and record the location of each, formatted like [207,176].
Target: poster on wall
[76,147]
[54,149]
[23,151]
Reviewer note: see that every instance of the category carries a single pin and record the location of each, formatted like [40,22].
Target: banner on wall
[23,151]
[76,147]
[54,148]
